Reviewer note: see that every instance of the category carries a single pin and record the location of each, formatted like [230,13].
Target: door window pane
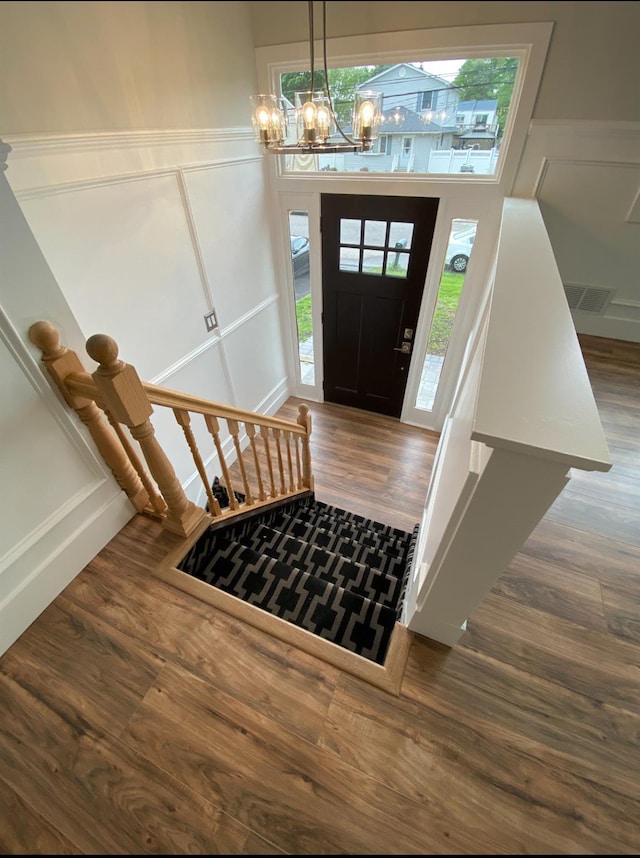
[461,238]
[349,259]
[375,232]
[350,231]
[301,272]
[400,232]
[372,262]
[397,264]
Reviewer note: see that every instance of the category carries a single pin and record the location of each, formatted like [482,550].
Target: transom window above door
[430,109]
[375,247]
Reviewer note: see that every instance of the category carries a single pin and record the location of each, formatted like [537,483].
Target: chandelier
[316,122]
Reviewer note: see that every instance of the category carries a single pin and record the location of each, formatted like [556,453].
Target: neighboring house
[419,116]
[477,124]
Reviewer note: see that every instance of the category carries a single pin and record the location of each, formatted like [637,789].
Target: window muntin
[375,247]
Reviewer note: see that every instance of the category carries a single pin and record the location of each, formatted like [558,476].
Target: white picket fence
[480,161]
[463,161]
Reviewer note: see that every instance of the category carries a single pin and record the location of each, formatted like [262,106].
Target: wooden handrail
[175,399]
[115,390]
[82,384]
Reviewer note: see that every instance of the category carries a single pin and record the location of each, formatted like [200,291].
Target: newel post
[304,419]
[126,400]
[62,362]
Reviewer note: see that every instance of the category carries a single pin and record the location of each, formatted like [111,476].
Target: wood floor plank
[302,798]
[88,672]
[23,831]
[506,788]
[184,630]
[583,512]
[589,553]
[561,592]
[562,728]
[100,794]
[597,665]
[622,611]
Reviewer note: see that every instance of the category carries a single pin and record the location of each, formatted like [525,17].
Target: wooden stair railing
[115,389]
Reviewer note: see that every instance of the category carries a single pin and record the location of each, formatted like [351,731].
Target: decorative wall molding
[548,163]
[45,569]
[121,178]
[627,310]
[26,144]
[255,311]
[576,142]
[561,162]
[586,127]
[59,411]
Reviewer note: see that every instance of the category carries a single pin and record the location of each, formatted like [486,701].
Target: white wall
[59,503]
[102,66]
[145,190]
[135,182]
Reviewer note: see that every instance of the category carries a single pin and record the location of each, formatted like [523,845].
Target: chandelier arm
[311,45]
[326,76]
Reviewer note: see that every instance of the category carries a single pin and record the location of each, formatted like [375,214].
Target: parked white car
[459,250]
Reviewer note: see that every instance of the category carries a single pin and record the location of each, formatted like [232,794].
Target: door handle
[405,348]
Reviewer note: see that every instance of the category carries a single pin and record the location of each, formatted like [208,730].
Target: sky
[446,69]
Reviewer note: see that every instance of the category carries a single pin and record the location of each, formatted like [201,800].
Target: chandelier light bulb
[366,114]
[309,119]
[324,122]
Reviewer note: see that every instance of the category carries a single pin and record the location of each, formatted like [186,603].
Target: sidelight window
[301,273]
[461,239]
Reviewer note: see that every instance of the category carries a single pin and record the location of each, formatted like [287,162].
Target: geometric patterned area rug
[336,574]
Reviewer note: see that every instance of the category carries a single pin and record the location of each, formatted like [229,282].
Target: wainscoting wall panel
[68,473]
[121,251]
[586,177]
[59,502]
[255,356]
[147,232]
[230,211]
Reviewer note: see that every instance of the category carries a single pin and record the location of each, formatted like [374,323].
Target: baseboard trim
[388,677]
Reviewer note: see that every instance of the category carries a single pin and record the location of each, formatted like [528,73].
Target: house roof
[477,135]
[392,72]
[487,104]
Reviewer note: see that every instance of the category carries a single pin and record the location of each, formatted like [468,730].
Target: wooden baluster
[214,428]
[62,362]
[287,440]
[296,443]
[184,420]
[304,419]
[157,506]
[264,433]
[251,432]
[276,435]
[234,429]
[124,396]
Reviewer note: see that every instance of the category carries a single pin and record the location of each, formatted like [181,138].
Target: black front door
[375,252]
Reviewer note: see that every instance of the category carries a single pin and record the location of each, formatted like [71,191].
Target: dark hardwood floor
[135,719]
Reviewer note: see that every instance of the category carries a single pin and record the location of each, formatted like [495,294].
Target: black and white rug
[336,574]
